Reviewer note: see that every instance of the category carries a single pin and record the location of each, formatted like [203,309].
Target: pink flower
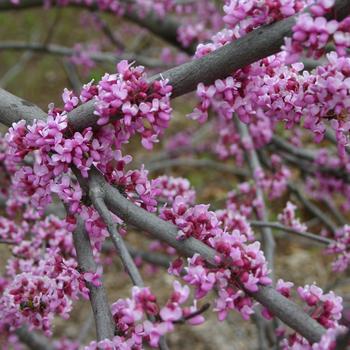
[94,277]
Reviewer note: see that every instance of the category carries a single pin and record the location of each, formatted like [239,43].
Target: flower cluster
[272,91]
[82,56]
[341,248]
[56,148]
[274,184]
[324,185]
[244,200]
[239,260]
[136,186]
[288,218]
[313,32]
[250,14]
[40,290]
[128,97]
[232,220]
[229,143]
[226,89]
[325,308]
[10,230]
[170,187]
[135,330]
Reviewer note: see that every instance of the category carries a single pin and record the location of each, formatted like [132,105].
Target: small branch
[196,163]
[298,152]
[98,298]
[15,69]
[197,138]
[166,28]
[328,222]
[313,209]
[254,165]
[200,311]
[7,241]
[72,75]
[18,66]
[154,258]
[108,32]
[85,328]
[297,156]
[33,340]
[261,329]
[335,211]
[278,226]
[158,259]
[52,27]
[128,263]
[59,50]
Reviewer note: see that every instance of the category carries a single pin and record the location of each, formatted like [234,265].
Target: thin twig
[154,258]
[328,222]
[108,32]
[96,197]
[193,162]
[72,75]
[201,310]
[335,211]
[85,329]
[7,241]
[53,27]
[278,226]
[255,166]
[59,50]
[33,340]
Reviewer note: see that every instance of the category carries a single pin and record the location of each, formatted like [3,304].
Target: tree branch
[193,162]
[255,166]
[328,222]
[59,50]
[33,340]
[259,43]
[13,109]
[278,226]
[98,298]
[96,197]
[164,28]
[284,309]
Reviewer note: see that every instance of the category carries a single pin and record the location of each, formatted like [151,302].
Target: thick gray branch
[13,109]
[256,45]
[284,309]
[260,43]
